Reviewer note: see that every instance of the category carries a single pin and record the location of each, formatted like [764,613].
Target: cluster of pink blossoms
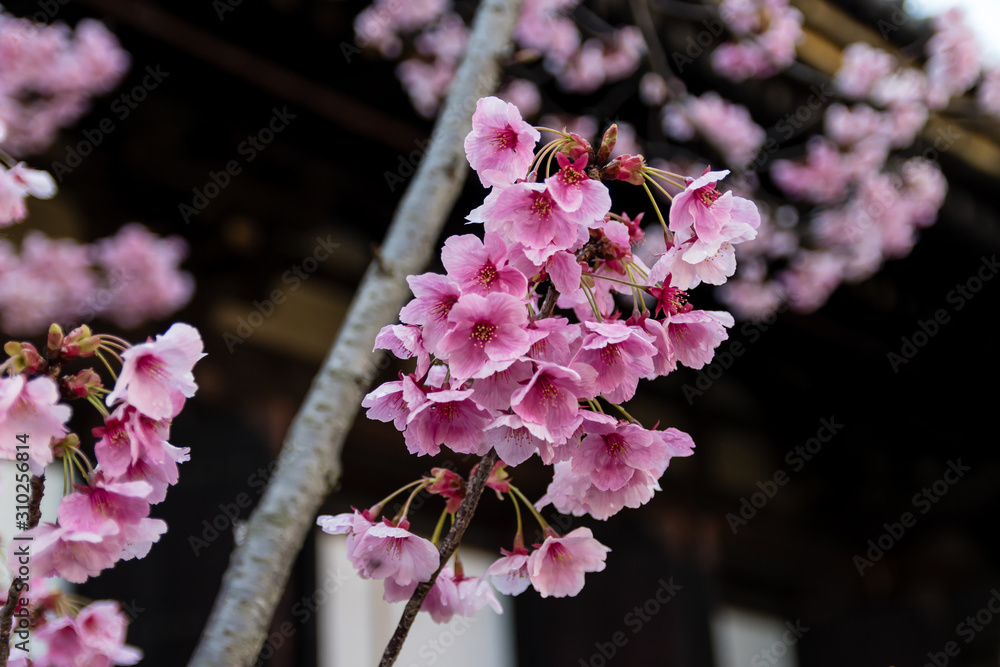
[49,73]
[128,278]
[545,32]
[497,369]
[106,518]
[767,33]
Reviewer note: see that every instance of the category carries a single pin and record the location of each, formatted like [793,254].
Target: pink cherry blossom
[136,539]
[386,404]
[509,574]
[694,335]
[574,191]
[434,297]
[103,507]
[549,403]
[127,436]
[861,66]
[156,376]
[32,408]
[487,335]
[404,342]
[74,555]
[557,568]
[610,453]
[449,417]
[16,184]
[354,524]
[493,392]
[501,145]
[480,266]
[527,213]
[159,474]
[144,280]
[710,215]
[572,494]
[620,355]
[513,442]
[392,552]
[459,595]
[101,627]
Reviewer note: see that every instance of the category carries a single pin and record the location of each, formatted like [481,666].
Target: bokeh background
[324,177]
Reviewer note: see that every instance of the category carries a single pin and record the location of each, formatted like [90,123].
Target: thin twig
[451,541]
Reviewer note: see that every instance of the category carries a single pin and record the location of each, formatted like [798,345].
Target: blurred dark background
[324,176]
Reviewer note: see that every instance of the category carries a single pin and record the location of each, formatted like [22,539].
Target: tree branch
[309,463]
[463,517]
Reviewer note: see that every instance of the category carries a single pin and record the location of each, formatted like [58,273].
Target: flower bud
[607,144]
[81,342]
[25,357]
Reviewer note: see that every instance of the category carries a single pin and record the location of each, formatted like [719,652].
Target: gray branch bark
[309,464]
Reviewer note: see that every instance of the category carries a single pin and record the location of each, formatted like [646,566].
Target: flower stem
[439,527]
[543,524]
[392,495]
[656,208]
[627,415]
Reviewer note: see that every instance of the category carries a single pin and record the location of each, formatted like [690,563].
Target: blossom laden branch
[309,462]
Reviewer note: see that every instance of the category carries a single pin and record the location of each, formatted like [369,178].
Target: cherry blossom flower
[620,355]
[526,213]
[101,627]
[509,574]
[31,407]
[610,453]
[449,417]
[456,594]
[487,335]
[127,436]
[480,266]
[557,567]
[573,190]
[435,295]
[354,525]
[513,442]
[385,551]
[74,555]
[711,215]
[160,475]
[548,404]
[501,145]
[103,507]
[16,184]
[156,376]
